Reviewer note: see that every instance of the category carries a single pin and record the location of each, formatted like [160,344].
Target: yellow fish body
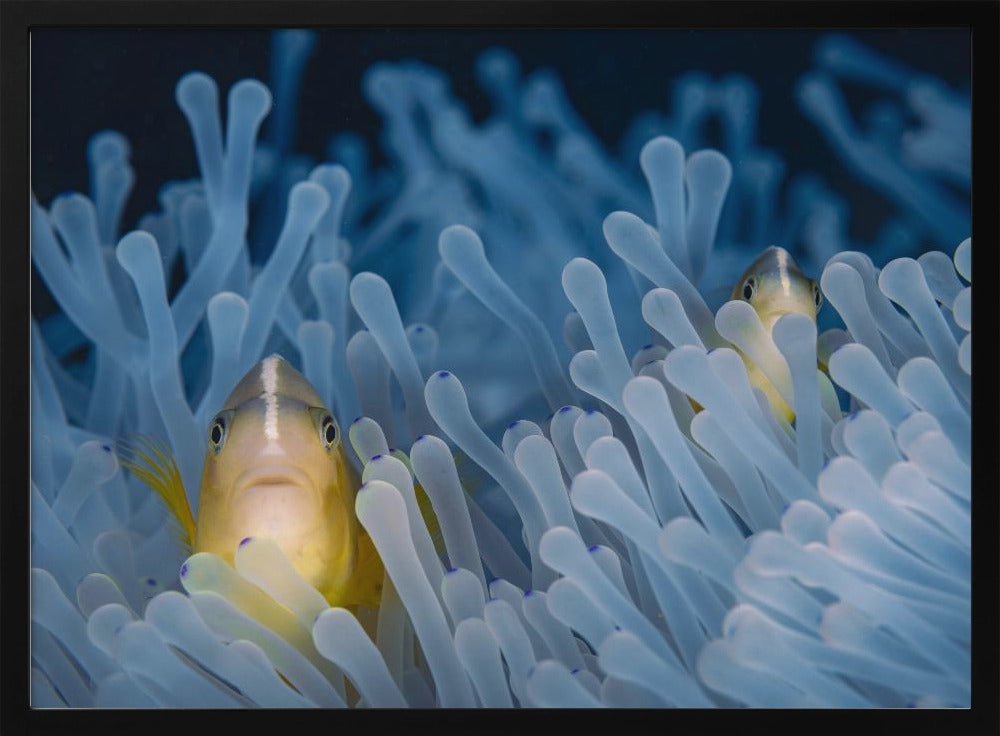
[274,467]
[774,286]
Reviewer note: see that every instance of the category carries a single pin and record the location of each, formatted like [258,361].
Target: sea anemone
[622,525]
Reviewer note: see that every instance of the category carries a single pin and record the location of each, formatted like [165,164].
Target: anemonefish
[275,466]
[774,285]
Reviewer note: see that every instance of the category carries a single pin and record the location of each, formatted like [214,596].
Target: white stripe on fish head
[269,378]
[786,282]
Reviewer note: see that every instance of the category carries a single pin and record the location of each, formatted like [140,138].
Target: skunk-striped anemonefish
[774,285]
[274,467]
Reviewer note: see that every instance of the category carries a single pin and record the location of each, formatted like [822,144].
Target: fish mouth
[278,476]
[276,501]
[773,315]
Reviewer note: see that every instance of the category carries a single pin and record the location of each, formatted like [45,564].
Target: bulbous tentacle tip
[381,85]
[295,40]
[108,146]
[662,153]
[307,200]
[137,249]
[251,98]
[455,240]
[333,177]
[818,96]
[197,90]
[72,211]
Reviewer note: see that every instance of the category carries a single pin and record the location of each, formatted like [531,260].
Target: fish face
[774,285]
[275,467]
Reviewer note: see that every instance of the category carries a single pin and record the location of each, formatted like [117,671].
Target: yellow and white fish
[774,286]
[275,467]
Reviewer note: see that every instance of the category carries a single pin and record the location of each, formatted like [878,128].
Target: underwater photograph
[504,368]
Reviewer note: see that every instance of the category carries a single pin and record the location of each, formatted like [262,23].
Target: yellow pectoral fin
[152,463]
[364,588]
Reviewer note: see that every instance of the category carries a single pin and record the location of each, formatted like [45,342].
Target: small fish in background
[774,286]
[275,466]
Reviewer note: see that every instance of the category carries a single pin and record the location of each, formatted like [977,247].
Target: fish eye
[817,296]
[328,430]
[217,433]
[326,425]
[749,288]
